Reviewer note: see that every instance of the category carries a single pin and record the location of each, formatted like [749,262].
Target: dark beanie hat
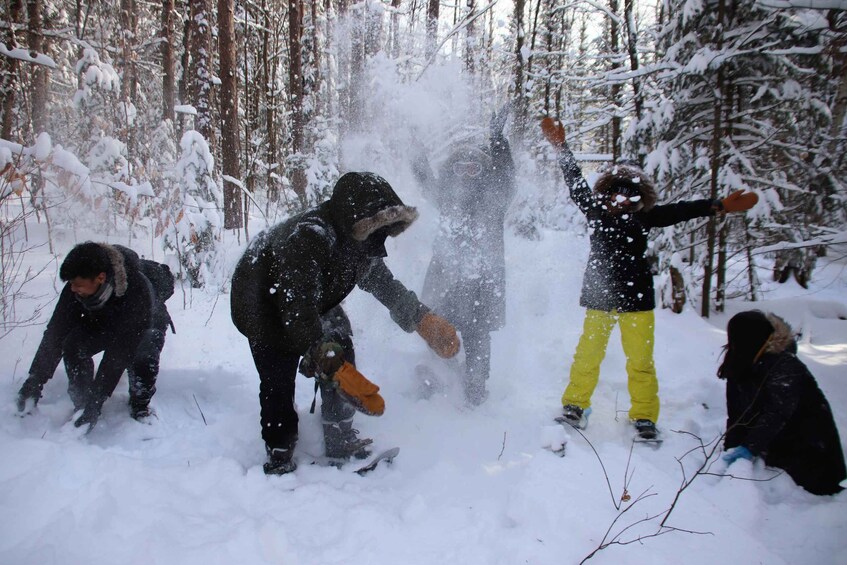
[746,333]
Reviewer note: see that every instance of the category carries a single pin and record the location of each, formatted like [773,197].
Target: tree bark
[9,80]
[38,93]
[233,214]
[201,70]
[168,65]
[432,27]
[295,95]
[520,100]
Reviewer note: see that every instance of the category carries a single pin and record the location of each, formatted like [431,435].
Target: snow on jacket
[466,278]
[123,319]
[294,273]
[618,275]
[779,413]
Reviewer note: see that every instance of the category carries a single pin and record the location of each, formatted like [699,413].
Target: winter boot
[280,460]
[572,414]
[645,429]
[140,410]
[341,441]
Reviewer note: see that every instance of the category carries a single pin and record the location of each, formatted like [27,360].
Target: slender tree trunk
[295,95]
[201,69]
[470,40]
[230,142]
[432,27]
[520,99]
[9,80]
[39,82]
[127,21]
[395,29]
[614,43]
[637,95]
[168,64]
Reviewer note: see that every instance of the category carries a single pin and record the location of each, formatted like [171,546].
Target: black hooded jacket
[122,319]
[618,275]
[776,410]
[295,272]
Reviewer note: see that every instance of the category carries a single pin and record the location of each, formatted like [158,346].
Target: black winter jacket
[618,275]
[466,278]
[297,271]
[122,320]
[779,413]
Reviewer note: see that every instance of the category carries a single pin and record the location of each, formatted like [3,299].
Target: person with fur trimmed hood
[285,298]
[466,278]
[107,305]
[618,285]
[775,409]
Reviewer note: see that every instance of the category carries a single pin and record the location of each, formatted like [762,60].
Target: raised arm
[579,190]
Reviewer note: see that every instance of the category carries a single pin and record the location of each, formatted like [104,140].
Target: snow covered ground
[469,486]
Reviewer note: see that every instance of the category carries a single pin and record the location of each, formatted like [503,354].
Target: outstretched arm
[580,192]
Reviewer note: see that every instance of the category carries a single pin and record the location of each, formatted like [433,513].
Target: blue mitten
[735,454]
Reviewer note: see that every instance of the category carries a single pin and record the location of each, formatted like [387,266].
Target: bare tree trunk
[614,44]
[39,83]
[9,80]
[127,22]
[295,95]
[269,84]
[432,27]
[638,96]
[470,40]
[520,99]
[395,29]
[233,213]
[168,64]
[201,70]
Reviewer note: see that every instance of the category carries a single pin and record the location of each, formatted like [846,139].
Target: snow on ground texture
[469,486]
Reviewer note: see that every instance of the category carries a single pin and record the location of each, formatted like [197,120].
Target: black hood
[362,203]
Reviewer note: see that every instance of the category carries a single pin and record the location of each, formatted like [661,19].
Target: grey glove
[30,390]
[498,119]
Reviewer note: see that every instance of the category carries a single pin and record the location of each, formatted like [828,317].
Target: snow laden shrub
[197,218]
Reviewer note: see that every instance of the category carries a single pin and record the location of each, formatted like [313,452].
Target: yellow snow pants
[637,329]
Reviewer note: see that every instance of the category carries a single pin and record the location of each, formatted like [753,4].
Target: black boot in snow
[645,429]
[341,441]
[280,460]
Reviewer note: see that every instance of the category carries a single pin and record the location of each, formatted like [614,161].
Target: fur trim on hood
[119,277]
[627,175]
[400,217]
[782,338]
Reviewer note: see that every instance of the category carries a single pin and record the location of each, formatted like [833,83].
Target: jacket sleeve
[577,185]
[422,171]
[504,167]
[49,351]
[403,304]
[668,214]
[781,393]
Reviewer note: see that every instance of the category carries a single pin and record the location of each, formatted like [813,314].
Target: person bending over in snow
[774,407]
[286,292]
[108,305]
[466,278]
[618,285]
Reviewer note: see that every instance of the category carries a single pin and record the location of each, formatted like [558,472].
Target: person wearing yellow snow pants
[637,339]
[620,210]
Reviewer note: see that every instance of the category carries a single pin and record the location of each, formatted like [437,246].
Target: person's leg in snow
[143,371]
[341,440]
[277,372]
[477,343]
[637,337]
[590,351]
[78,350]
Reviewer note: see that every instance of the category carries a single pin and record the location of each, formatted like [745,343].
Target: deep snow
[469,486]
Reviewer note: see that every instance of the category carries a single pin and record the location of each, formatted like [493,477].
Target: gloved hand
[28,396]
[498,120]
[89,416]
[738,201]
[735,454]
[554,131]
[439,334]
[322,359]
[356,389]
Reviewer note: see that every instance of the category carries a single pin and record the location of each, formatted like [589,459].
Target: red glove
[739,201]
[554,131]
[439,334]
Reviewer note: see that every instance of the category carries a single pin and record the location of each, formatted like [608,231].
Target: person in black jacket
[774,407]
[618,285]
[107,305]
[285,297]
[466,278]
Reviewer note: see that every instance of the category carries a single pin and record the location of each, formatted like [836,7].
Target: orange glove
[358,390]
[554,131]
[439,334]
[739,201]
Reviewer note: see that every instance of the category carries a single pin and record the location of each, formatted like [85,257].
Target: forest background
[172,122]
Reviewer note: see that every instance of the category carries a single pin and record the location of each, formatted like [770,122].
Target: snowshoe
[574,416]
[388,456]
[342,442]
[646,431]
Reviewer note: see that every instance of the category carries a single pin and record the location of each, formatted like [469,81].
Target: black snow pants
[277,370]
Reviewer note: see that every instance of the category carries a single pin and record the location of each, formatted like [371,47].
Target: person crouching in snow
[774,407]
[285,298]
[618,285]
[108,304]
